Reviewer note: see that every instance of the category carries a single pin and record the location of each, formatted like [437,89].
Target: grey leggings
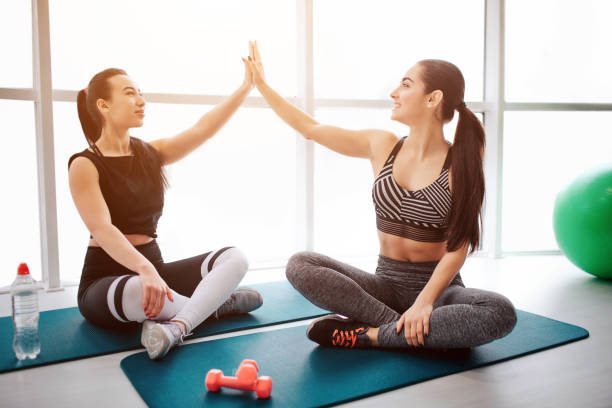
[461,318]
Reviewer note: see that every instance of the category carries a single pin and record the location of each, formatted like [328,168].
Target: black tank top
[135,203]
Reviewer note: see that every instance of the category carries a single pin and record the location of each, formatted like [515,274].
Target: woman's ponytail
[465,218]
[91,128]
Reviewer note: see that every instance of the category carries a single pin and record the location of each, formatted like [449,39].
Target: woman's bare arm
[355,143]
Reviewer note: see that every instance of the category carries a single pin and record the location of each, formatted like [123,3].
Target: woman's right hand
[255,63]
[154,291]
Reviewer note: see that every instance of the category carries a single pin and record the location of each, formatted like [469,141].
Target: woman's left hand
[248,75]
[415,321]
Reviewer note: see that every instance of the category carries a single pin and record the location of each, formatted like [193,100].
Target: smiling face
[410,102]
[126,105]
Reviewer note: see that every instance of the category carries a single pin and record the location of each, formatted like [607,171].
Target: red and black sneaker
[334,331]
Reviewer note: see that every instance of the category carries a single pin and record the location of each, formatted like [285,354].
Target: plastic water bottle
[24,300]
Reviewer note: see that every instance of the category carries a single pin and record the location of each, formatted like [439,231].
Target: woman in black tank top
[118,186]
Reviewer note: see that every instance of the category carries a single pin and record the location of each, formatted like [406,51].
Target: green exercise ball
[582,220]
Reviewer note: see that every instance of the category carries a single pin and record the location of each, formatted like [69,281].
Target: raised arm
[356,143]
[175,148]
[87,196]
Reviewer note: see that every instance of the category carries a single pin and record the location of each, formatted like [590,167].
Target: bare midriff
[135,239]
[408,250]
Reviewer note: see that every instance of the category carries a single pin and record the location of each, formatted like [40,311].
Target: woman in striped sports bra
[416,297]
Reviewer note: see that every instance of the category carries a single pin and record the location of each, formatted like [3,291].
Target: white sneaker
[159,337]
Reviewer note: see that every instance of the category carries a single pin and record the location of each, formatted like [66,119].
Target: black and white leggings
[110,295]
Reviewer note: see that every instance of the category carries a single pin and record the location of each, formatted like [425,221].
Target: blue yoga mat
[66,335]
[306,375]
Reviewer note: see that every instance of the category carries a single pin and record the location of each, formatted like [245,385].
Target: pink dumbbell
[245,379]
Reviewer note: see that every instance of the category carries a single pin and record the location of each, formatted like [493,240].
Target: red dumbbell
[245,379]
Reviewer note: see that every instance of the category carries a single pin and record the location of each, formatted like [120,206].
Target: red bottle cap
[23,269]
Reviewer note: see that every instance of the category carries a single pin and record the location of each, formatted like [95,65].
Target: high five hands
[254,67]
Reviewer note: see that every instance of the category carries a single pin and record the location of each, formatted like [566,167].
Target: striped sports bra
[419,215]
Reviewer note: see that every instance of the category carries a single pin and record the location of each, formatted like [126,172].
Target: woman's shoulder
[143,145]
[383,141]
[84,153]
[82,169]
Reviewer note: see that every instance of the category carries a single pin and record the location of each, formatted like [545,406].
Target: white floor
[577,374]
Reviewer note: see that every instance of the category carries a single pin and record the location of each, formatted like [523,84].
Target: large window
[20,237]
[543,152]
[190,47]
[16,44]
[362,49]
[242,187]
[556,52]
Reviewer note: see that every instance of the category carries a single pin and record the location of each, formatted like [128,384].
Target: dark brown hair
[466,161]
[92,122]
